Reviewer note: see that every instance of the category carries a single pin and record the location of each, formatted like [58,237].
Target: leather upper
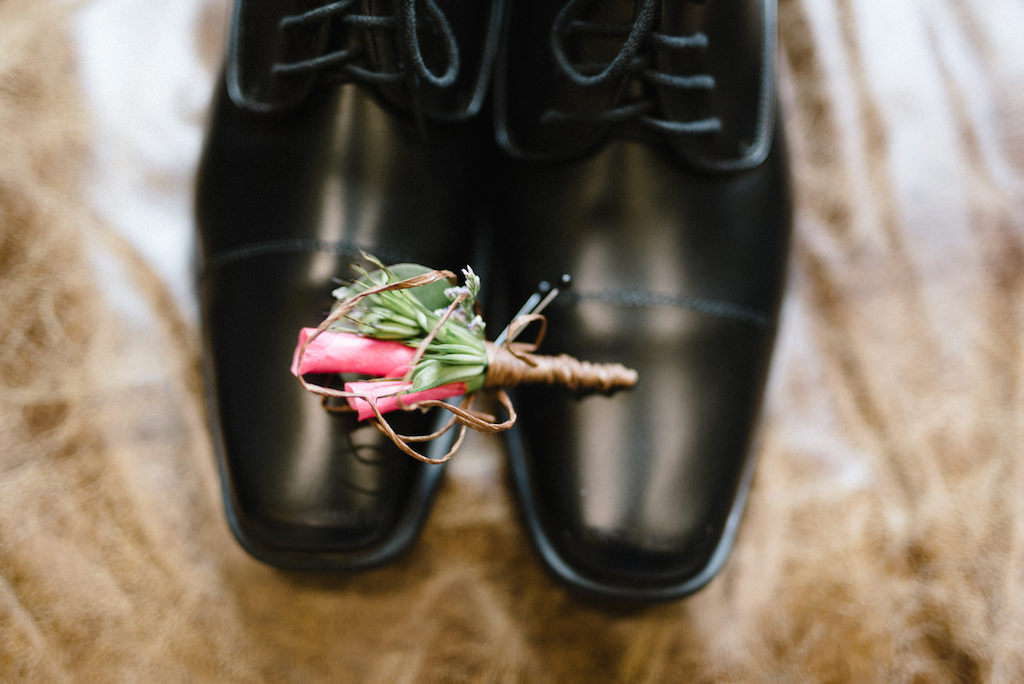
[654,173]
[679,275]
[297,177]
[709,64]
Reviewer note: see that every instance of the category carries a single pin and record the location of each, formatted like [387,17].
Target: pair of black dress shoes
[631,144]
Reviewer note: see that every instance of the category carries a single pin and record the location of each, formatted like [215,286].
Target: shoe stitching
[638,298]
[292,246]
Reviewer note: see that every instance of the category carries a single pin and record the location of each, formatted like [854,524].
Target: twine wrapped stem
[512,364]
[510,368]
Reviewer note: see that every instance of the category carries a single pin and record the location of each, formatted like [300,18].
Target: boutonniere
[407,337]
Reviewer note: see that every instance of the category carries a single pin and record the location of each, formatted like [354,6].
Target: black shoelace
[633,60]
[345,61]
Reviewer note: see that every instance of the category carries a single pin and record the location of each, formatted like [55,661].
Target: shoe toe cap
[637,495]
[305,488]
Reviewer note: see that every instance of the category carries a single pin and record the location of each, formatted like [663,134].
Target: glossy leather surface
[678,272]
[284,204]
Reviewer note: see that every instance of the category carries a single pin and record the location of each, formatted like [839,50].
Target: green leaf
[425,376]
[380,313]
[430,296]
[461,374]
[387,330]
[465,359]
[440,348]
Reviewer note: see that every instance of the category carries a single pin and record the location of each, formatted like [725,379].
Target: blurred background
[884,539]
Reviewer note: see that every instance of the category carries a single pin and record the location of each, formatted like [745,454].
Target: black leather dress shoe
[337,127]
[650,168]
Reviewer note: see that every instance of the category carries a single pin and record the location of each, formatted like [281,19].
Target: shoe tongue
[473,26]
[740,58]
[587,37]
[257,43]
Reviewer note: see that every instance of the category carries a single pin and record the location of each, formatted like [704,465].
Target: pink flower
[332,352]
[384,394]
[339,352]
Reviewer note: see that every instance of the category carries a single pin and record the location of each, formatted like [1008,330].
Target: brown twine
[460,414]
[514,364]
[508,367]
